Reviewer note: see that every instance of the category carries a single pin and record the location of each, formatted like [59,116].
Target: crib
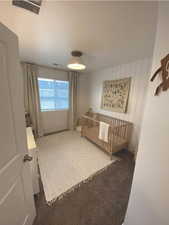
[118,135]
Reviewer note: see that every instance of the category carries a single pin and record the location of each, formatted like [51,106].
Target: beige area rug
[66,160]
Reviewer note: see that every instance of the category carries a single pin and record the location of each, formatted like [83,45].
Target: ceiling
[109,33]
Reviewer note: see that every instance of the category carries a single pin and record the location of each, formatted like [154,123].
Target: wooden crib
[118,135]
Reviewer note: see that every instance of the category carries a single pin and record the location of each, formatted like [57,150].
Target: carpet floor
[66,160]
[101,201]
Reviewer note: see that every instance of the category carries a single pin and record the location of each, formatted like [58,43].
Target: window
[54,94]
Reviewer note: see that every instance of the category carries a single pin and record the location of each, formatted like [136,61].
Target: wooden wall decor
[115,95]
[31,5]
[164,72]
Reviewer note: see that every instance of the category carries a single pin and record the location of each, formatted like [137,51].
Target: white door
[16,194]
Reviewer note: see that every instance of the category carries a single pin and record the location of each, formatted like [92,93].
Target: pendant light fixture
[75,62]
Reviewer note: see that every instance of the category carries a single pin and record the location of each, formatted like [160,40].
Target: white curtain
[72,115]
[31,97]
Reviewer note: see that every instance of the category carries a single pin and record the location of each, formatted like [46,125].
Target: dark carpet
[101,201]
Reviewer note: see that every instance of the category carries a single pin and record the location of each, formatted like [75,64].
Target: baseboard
[55,132]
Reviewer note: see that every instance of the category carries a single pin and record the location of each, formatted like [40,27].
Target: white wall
[53,120]
[149,201]
[139,71]
[51,73]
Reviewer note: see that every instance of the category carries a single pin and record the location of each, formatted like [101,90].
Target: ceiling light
[75,62]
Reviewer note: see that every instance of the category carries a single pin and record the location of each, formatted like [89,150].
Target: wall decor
[164,72]
[115,95]
[31,5]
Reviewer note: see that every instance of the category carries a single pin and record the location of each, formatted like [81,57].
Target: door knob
[27,158]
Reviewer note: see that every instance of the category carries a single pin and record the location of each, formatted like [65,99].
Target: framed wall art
[115,95]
